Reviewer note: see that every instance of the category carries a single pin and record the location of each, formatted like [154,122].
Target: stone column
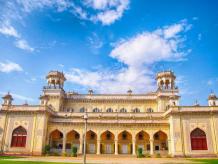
[98,146]
[64,144]
[81,145]
[133,147]
[116,147]
[169,147]
[151,146]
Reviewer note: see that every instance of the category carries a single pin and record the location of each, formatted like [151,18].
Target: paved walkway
[108,159]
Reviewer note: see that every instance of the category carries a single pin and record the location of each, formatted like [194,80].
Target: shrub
[47,149]
[158,155]
[139,153]
[147,155]
[74,151]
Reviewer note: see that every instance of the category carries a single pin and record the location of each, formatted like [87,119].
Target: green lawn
[212,161]
[2,161]
[30,162]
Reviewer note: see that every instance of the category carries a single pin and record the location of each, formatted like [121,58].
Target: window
[156,136]
[82,110]
[149,110]
[96,110]
[109,110]
[140,136]
[136,110]
[76,136]
[108,136]
[92,136]
[19,136]
[124,136]
[123,110]
[198,140]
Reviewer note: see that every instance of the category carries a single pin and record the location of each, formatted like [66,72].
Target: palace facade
[117,123]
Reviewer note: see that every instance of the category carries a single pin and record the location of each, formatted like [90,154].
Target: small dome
[165,74]
[212,96]
[56,74]
[8,96]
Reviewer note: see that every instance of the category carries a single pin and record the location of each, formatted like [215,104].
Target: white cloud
[150,47]
[110,10]
[8,67]
[137,54]
[22,44]
[114,81]
[8,30]
[95,43]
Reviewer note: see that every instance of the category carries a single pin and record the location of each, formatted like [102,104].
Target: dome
[58,74]
[8,96]
[212,96]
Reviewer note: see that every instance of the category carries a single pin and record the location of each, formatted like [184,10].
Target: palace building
[117,123]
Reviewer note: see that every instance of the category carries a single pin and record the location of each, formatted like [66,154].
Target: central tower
[53,93]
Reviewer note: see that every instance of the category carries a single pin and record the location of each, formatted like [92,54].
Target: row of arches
[110,110]
[108,143]
[125,143]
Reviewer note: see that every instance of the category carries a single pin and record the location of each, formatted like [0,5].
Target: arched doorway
[143,141]
[107,143]
[72,140]
[160,142]
[56,141]
[91,139]
[19,136]
[198,139]
[125,143]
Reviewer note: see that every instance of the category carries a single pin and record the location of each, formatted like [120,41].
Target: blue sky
[108,45]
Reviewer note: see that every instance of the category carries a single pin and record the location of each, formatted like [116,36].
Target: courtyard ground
[103,159]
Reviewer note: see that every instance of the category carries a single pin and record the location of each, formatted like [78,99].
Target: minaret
[167,92]
[7,99]
[166,80]
[55,79]
[212,100]
[53,93]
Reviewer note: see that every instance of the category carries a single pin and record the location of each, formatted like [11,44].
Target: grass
[210,161]
[9,157]
[6,160]
[30,162]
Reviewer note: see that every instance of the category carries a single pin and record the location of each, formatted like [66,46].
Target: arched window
[96,110]
[198,139]
[82,110]
[149,110]
[136,110]
[109,110]
[123,110]
[19,136]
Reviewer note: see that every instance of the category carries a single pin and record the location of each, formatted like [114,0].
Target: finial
[129,91]
[90,91]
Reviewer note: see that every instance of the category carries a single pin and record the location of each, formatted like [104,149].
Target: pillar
[98,146]
[81,145]
[133,147]
[116,147]
[151,146]
[169,147]
[64,144]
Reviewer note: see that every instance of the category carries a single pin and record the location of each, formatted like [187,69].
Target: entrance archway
[107,143]
[143,141]
[72,140]
[91,138]
[198,139]
[160,142]
[125,143]
[56,141]
[19,136]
